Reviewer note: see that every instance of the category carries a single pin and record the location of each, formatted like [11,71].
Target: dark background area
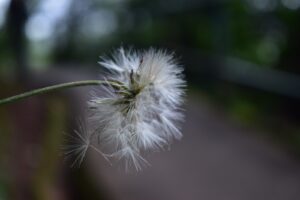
[241,58]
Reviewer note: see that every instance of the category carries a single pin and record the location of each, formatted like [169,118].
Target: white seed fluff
[143,112]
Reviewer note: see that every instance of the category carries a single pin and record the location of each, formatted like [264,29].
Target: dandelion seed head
[143,111]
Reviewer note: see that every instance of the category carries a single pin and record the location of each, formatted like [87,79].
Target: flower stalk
[138,110]
[52,88]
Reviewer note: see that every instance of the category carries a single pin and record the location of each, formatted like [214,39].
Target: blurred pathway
[217,159]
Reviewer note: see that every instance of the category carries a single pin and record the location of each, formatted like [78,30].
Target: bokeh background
[242,131]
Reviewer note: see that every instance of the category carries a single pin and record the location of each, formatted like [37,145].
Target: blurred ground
[217,159]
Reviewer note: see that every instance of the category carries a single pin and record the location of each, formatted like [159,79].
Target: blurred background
[242,131]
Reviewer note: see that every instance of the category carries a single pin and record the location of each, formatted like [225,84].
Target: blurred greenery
[45,175]
[73,33]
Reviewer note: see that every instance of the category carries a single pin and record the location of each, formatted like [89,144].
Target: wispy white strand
[142,114]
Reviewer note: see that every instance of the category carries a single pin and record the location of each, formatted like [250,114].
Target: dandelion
[139,108]
[143,112]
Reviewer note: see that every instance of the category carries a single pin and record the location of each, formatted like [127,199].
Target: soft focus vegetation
[241,55]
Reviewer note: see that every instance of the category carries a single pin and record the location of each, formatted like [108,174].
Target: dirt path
[216,160]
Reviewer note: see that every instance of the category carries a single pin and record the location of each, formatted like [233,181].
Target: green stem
[54,88]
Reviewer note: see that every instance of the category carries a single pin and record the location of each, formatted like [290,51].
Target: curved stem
[54,88]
